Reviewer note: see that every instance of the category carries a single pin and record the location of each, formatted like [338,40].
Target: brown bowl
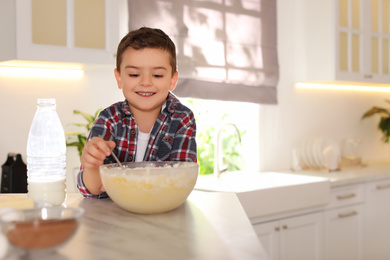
[40,228]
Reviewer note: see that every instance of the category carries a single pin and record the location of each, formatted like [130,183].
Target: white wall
[299,113]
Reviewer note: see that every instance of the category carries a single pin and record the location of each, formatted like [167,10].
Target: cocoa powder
[41,234]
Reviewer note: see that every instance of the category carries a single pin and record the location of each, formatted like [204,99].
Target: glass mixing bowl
[149,187]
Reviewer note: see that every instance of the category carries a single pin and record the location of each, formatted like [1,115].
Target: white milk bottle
[46,156]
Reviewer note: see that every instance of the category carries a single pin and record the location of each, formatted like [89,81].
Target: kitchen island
[207,226]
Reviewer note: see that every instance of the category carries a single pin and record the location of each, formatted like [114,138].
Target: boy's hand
[95,151]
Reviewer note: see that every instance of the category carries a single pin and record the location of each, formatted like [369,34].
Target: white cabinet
[354,225]
[292,238]
[343,231]
[334,232]
[378,220]
[62,31]
[268,234]
[343,40]
[344,224]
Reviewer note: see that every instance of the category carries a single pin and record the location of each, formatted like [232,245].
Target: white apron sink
[268,193]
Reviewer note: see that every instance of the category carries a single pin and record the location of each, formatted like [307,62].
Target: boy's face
[145,78]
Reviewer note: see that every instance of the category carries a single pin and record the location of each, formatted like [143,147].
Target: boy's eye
[133,75]
[158,76]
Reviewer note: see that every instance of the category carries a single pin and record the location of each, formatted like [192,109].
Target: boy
[151,124]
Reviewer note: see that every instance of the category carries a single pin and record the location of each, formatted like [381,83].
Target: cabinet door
[66,31]
[268,234]
[378,40]
[350,41]
[378,220]
[363,40]
[301,237]
[344,233]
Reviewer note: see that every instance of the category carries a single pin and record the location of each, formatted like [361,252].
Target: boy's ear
[174,81]
[118,78]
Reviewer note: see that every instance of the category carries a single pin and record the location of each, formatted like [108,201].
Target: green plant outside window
[232,158]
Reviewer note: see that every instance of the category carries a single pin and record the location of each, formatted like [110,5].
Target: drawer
[347,195]
[382,186]
[344,214]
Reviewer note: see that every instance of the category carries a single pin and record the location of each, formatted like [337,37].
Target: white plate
[304,155]
[330,154]
[315,161]
[309,153]
[316,152]
[310,148]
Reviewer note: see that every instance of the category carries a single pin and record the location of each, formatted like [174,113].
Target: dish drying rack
[317,154]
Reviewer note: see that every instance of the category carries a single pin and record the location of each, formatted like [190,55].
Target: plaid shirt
[172,137]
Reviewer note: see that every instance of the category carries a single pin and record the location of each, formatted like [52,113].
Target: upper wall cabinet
[343,40]
[82,31]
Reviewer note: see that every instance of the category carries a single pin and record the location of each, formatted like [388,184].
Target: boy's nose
[145,81]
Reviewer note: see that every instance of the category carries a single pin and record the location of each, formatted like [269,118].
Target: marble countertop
[207,226]
[354,175]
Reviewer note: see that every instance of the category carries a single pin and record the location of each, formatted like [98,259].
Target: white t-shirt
[142,142]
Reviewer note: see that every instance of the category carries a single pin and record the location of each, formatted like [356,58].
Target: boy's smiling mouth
[145,94]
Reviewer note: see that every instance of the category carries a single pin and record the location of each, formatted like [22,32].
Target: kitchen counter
[353,175]
[207,226]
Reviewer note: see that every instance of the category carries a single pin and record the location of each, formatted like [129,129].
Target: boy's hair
[146,37]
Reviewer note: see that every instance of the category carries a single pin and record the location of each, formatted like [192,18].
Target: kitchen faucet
[218,162]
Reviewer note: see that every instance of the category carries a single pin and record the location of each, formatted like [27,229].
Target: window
[211,115]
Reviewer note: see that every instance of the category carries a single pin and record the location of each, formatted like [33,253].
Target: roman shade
[226,49]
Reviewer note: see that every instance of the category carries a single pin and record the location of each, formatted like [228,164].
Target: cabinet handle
[348,196]
[367,76]
[277,229]
[353,213]
[285,227]
[381,187]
